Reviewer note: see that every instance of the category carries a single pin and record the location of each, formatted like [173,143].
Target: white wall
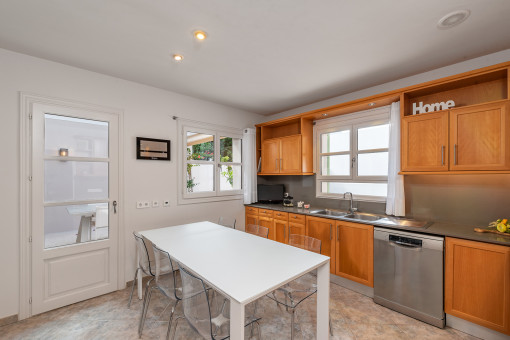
[147,112]
[465,66]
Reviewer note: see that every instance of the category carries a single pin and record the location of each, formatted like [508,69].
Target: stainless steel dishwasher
[408,274]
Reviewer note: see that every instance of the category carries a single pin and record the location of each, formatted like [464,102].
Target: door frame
[26,103]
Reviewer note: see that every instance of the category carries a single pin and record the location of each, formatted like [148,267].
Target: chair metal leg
[258,328]
[330,325]
[171,319]
[293,310]
[176,324]
[146,301]
[133,288]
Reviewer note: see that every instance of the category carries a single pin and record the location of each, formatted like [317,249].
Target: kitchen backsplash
[466,199]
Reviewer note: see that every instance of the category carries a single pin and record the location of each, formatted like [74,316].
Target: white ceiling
[263,56]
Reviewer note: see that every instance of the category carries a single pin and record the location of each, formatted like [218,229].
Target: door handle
[114,207]
[442,155]
[455,154]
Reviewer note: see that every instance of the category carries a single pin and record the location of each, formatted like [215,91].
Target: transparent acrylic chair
[151,266]
[257,230]
[208,316]
[295,292]
[144,262]
[167,281]
[229,222]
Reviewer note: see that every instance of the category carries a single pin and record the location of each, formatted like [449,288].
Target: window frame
[217,194]
[351,122]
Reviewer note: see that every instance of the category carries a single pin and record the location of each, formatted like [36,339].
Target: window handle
[114,207]
[352,162]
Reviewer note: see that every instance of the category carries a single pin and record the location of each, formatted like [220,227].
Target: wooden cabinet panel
[268,223]
[284,216]
[355,252]
[477,283]
[281,230]
[297,218]
[290,155]
[322,229]
[478,138]
[266,212]
[251,211]
[297,228]
[425,142]
[270,156]
[251,219]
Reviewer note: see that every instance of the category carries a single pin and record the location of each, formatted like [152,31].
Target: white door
[74,205]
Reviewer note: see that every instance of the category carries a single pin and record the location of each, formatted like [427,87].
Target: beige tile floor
[354,316]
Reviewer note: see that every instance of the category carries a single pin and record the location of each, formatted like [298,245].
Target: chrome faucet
[351,209]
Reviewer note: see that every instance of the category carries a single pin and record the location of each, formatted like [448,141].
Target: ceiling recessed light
[200,35]
[178,57]
[371,104]
[453,19]
[324,115]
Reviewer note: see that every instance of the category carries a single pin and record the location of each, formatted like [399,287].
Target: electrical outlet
[139,205]
[146,204]
[166,203]
[155,204]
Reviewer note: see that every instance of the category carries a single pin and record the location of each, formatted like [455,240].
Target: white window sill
[196,200]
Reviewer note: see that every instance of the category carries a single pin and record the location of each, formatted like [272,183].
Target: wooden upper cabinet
[477,283]
[355,252]
[323,229]
[270,156]
[425,142]
[290,155]
[286,147]
[478,137]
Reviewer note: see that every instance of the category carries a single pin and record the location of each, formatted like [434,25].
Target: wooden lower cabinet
[297,228]
[354,252]
[323,229]
[268,223]
[281,230]
[477,283]
[251,219]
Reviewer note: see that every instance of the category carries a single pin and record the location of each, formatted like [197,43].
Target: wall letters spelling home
[420,108]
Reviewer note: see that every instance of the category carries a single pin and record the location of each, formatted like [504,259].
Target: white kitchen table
[243,267]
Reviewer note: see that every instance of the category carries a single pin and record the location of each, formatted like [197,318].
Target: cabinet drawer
[297,218]
[252,210]
[266,212]
[279,215]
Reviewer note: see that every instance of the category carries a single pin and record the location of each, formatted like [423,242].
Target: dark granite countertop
[434,228]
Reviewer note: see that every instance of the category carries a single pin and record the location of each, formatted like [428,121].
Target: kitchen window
[352,155]
[212,164]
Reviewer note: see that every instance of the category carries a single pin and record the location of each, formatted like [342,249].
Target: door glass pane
[365,189]
[374,137]
[373,164]
[338,141]
[230,149]
[81,137]
[230,177]
[200,177]
[338,165]
[75,181]
[200,146]
[65,225]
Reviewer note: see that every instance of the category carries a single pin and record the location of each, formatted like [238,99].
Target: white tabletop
[242,266]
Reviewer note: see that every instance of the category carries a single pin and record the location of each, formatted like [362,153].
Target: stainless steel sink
[363,217]
[329,212]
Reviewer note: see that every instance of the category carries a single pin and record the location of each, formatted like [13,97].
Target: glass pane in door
[70,224]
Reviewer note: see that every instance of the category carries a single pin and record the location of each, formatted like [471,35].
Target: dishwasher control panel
[406,240]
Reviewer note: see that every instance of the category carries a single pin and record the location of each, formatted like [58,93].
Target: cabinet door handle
[276,164]
[330,231]
[281,162]
[284,227]
[455,154]
[442,155]
[337,233]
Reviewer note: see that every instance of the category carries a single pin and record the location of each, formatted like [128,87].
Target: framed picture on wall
[153,149]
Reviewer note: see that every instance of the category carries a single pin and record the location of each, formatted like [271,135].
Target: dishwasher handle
[405,245]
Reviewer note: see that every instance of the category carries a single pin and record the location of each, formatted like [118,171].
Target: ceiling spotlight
[371,104]
[178,57]
[200,35]
[453,19]
[324,115]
